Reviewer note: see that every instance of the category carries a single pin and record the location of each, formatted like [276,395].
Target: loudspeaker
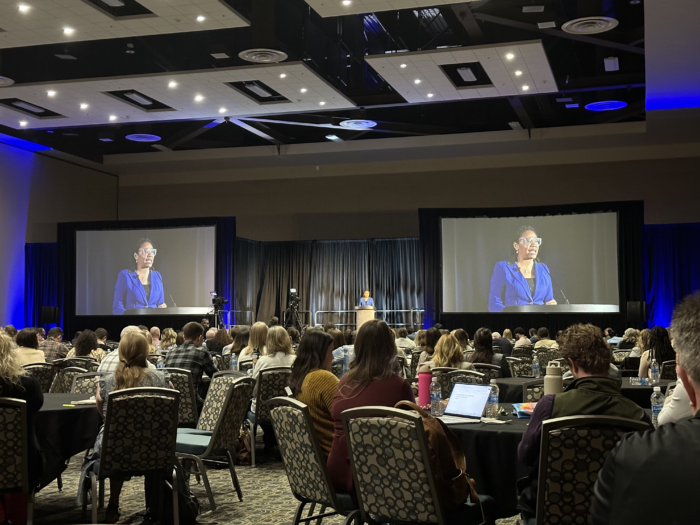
[50,315]
[636,314]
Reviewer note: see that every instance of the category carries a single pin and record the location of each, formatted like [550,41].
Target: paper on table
[90,401]
[492,421]
[450,420]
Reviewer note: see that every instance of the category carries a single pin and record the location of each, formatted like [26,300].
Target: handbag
[245,450]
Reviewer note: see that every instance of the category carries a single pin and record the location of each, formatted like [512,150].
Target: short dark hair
[142,327]
[350,338]
[402,333]
[610,332]
[432,336]
[27,338]
[519,330]
[192,331]
[533,331]
[10,330]
[86,343]
[328,326]
[55,332]
[274,321]
[101,333]
[583,344]
[543,333]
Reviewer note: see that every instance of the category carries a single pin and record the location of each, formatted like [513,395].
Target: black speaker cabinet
[636,314]
[50,315]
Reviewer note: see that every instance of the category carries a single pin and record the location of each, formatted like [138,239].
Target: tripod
[292,318]
[218,318]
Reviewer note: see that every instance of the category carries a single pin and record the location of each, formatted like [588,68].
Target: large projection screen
[576,263]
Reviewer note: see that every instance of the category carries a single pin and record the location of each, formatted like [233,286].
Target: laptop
[468,401]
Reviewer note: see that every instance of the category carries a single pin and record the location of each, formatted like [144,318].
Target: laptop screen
[468,400]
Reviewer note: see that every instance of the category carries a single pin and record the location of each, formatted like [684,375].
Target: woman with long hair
[629,339]
[507,334]
[432,336]
[463,339]
[373,380]
[448,353]
[257,340]
[221,340]
[420,338]
[239,342]
[313,384]
[86,346]
[659,348]
[642,343]
[167,340]
[483,351]
[294,335]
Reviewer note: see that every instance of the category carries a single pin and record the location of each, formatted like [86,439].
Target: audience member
[432,336]
[294,336]
[11,331]
[328,326]
[463,339]
[27,351]
[543,340]
[180,339]
[672,452]
[642,343]
[40,334]
[218,342]
[612,337]
[402,340]
[168,340]
[448,353]
[274,321]
[205,324]
[257,340]
[373,380]
[151,349]
[338,338]
[109,363]
[52,347]
[533,335]
[192,356]
[313,384]
[659,348]
[591,393]
[348,349]
[239,343]
[508,335]
[101,335]
[483,352]
[155,336]
[520,338]
[76,335]
[629,339]
[399,351]
[86,346]
[209,336]
[503,344]
[420,338]
[143,328]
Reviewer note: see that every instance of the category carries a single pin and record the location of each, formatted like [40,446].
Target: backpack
[188,505]
[447,461]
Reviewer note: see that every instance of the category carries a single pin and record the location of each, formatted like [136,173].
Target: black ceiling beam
[521,112]
[187,133]
[558,33]
[466,18]
[262,131]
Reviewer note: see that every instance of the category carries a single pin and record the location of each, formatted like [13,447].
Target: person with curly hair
[659,348]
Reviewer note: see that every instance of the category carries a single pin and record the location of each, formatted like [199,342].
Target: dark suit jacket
[504,345]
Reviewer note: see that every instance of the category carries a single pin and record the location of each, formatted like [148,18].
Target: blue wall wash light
[22,144]
[142,137]
[606,105]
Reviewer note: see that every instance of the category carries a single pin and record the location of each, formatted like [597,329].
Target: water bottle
[256,355]
[492,405]
[655,376]
[536,367]
[234,362]
[161,360]
[435,398]
[657,403]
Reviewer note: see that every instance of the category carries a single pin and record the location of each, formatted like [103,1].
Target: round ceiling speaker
[590,25]
[606,105]
[263,56]
[6,81]
[358,124]
[143,137]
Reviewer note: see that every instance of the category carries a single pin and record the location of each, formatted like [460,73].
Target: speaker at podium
[364,314]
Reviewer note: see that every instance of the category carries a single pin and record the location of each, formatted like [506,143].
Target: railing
[412,313]
[418,313]
[302,314]
[249,317]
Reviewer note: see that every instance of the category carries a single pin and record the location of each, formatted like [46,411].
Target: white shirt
[270,361]
[676,406]
[405,342]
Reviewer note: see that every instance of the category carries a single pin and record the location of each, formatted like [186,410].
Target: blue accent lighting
[691,100]
[606,105]
[22,144]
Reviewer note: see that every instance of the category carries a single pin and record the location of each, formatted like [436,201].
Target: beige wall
[385,205]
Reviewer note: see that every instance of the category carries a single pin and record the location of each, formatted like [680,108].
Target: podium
[364,314]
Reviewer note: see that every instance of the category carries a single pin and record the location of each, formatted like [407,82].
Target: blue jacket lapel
[521,280]
[138,287]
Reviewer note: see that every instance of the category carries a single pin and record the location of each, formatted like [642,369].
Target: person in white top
[402,340]
[448,353]
[257,339]
[520,338]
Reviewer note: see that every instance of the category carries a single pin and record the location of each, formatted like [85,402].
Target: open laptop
[468,400]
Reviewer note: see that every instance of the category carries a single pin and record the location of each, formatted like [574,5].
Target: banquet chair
[79,362]
[14,469]
[214,402]
[85,383]
[631,363]
[305,462]
[573,450]
[533,390]
[523,352]
[441,374]
[153,358]
[564,364]
[670,388]
[225,362]
[362,426]
[469,377]
[63,381]
[668,370]
[183,383]
[44,373]
[193,448]
[490,371]
[272,382]
[402,365]
[415,357]
[244,367]
[337,370]
[139,438]
[619,356]
[544,356]
[519,367]
[219,363]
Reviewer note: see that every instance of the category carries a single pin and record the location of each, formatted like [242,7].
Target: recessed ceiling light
[347,2]
[83,106]
[6,81]
[403,66]
[283,75]
[533,9]
[525,88]
[518,73]
[430,95]
[22,123]
[570,106]
[220,56]
[68,31]
[321,103]
[303,90]
[112,118]
[606,105]
[172,84]
[198,98]
[416,81]
[23,8]
[222,110]
[201,18]
[51,93]
[510,56]
[334,138]
[65,56]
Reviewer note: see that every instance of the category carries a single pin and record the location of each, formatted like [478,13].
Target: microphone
[564,296]
[173,300]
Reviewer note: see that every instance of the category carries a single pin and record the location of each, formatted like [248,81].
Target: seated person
[658,347]
[402,340]
[27,351]
[543,340]
[463,339]
[432,336]
[86,346]
[503,344]
[240,341]
[591,393]
[629,339]
[520,338]
[313,384]
[448,353]
[256,341]
[484,353]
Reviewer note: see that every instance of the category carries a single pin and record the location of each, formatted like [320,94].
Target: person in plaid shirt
[191,355]
[52,347]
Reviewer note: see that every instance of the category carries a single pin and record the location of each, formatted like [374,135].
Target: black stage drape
[630,235]
[40,280]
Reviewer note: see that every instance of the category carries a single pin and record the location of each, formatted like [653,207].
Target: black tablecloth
[641,394]
[64,431]
[492,459]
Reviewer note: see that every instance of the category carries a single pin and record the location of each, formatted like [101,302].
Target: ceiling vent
[142,137]
[263,56]
[27,108]
[590,25]
[258,91]
[6,81]
[139,100]
[358,124]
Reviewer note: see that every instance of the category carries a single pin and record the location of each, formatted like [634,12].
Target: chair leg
[202,469]
[353,517]
[319,520]
[312,508]
[102,493]
[30,509]
[59,482]
[234,476]
[252,446]
[93,495]
[298,514]
[176,509]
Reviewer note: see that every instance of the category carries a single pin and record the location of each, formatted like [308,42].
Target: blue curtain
[40,280]
[671,268]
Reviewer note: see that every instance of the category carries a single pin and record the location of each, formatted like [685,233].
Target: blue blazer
[129,293]
[368,302]
[509,287]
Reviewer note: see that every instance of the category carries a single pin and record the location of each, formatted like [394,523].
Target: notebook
[468,400]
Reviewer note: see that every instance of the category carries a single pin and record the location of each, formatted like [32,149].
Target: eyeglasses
[527,241]
[147,251]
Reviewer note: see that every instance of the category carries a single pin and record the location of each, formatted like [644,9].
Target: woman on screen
[523,280]
[141,287]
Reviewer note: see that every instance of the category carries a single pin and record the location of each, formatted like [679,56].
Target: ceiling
[414,67]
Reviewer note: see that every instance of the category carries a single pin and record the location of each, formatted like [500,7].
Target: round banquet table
[63,432]
[511,390]
[492,458]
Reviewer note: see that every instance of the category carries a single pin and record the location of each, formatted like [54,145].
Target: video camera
[218,301]
[293,297]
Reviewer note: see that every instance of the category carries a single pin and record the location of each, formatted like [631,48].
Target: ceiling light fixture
[130,49]
[51,93]
[201,18]
[510,56]
[139,99]
[303,90]
[467,74]
[198,98]
[334,138]
[518,73]
[516,126]
[570,106]
[283,75]
[547,25]
[322,103]
[220,56]
[612,64]
[358,124]
[416,81]
[261,92]
[6,81]
[22,123]
[28,107]
[68,31]
[112,118]
[113,3]
[142,137]
[533,9]
[590,25]
[83,106]
[347,2]
[430,95]
[403,66]
[525,88]
[172,84]
[23,8]
[65,56]
[222,110]
[606,105]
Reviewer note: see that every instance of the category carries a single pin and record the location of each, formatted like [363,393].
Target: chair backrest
[304,460]
[272,382]
[181,379]
[564,364]
[85,383]
[464,376]
[545,355]
[668,370]
[415,357]
[63,381]
[44,373]
[14,471]
[337,370]
[244,367]
[533,391]
[490,371]
[519,367]
[522,351]
[631,363]
[670,388]
[573,450]
[227,430]
[620,355]
[394,456]
[214,402]
[440,373]
[402,364]
[140,430]
[153,358]
[79,362]
[225,362]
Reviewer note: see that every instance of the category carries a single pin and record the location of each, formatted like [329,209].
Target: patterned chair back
[564,364]
[271,383]
[214,402]
[522,351]
[464,376]
[620,355]
[227,430]
[86,383]
[225,362]
[337,370]
[140,430]
[519,367]
[304,460]
[415,357]
[63,381]
[490,371]
[153,358]
[545,355]
[403,443]
[533,390]
[440,373]
[13,446]
[244,367]
[44,373]
[670,388]
[573,450]
[80,362]
[183,383]
[668,370]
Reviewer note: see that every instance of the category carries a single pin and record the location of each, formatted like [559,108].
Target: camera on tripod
[293,298]
[218,301]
